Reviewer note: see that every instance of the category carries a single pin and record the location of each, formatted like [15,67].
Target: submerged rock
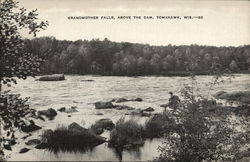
[50,113]
[104,105]
[54,77]
[24,150]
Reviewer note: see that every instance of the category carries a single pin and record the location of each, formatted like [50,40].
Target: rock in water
[42,146]
[7,147]
[54,77]
[104,105]
[149,109]
[50,113]
[123,107]
[220,95]
[62,109]
[33,142]
[24,150]
[242,97]
[102,124]
[91,138]
[138,99]
[71,110]
[119,100]
[30,128]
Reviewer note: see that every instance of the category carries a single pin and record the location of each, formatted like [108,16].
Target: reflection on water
[75,92]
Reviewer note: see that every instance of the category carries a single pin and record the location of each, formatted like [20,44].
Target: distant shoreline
[168,74]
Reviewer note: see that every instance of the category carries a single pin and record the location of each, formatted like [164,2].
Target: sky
[224,23]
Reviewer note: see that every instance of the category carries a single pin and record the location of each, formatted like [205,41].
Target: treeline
[111,58]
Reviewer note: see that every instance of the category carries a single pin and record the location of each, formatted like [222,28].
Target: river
[77,91]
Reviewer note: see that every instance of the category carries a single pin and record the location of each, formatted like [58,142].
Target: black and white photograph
[125,80]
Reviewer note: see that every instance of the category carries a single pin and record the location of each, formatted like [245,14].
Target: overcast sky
[225,23]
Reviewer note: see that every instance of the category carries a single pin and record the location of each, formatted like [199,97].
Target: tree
[202,129]
[15,62]
[233,66]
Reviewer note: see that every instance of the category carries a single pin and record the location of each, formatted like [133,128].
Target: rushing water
[76,91]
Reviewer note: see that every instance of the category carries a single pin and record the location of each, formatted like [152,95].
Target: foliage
[203,130]
[14,61]
[111,58]
[13,112]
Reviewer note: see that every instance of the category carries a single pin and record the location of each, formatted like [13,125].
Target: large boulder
[30,128]
[104,105]
[91,138]
[71,138]
[50,113]
[102,124]
[53,77]
[242,97]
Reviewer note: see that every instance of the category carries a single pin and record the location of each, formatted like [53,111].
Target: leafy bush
[13,113]
[203,131]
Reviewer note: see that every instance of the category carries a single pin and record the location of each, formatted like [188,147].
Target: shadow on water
[119,151]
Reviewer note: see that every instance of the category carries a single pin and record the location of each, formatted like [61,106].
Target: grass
[157,125]
[127,134]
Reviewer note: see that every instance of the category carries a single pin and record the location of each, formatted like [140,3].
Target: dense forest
[111,58]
